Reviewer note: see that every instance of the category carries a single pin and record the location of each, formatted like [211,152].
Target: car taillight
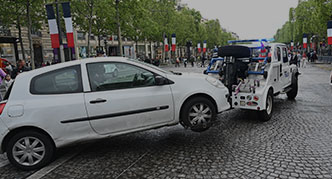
[2,106]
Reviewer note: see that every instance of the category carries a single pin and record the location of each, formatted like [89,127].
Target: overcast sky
[248,18]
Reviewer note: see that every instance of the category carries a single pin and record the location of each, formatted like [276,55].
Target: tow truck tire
[293,92]
[266,114]
[236,51]
[198,114]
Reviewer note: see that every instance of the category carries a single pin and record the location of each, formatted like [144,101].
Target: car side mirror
[159,80]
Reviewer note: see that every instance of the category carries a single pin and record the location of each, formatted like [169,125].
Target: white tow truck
[255,71]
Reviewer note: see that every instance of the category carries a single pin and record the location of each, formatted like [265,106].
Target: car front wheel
[198,114]
[30,150]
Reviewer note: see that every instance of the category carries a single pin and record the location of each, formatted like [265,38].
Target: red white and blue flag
[166,44]
[69,24]
[199,47]
[204,46]
[292,45]
[52,26]
[305,41]
[173,42]
[329,32]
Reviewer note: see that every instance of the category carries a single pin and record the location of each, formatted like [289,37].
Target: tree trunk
[90,26]
[119,27]
[32,59]
[20,37]
[136,42]
[18,23]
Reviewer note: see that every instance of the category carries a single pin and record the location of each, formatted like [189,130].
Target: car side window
[284,55]
[105,76]
[62,81]
[278,53]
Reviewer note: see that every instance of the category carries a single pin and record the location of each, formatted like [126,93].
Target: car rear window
[62,81]
[6,97]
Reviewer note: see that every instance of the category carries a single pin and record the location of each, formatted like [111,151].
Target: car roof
[75,62]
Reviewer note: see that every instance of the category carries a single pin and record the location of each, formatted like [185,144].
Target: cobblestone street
[295,143]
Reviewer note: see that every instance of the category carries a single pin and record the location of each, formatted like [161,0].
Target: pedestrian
[21,67]
[177,62]
[2,77]
[314,56]
[203,60]
[7,81]
[331,78]
[299,57]
[192,60]
[293,59]
[9,68]
[185,62]
[304,60]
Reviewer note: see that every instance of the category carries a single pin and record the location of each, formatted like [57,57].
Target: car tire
[198,114]
[294,88]
[35,149]
[115,73]
[266,114]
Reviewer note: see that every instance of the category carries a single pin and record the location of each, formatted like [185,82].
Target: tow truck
[255,71]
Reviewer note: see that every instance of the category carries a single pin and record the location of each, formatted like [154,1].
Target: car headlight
[215,82]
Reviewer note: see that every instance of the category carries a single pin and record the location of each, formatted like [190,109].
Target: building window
[92,37]
[80,35]
[35,32]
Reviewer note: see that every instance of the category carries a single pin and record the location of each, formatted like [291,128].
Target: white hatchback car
[81,100]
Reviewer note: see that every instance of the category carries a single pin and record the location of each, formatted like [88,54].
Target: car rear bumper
[222,101]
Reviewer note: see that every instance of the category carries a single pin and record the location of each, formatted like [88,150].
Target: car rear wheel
[266,114]
[198,114]
[30,150]
[293,92]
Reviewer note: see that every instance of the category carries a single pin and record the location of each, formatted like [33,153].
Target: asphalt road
[295,143]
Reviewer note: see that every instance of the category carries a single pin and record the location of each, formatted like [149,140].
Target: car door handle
[98,101]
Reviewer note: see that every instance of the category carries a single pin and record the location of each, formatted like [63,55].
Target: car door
[127,100]
[286,74]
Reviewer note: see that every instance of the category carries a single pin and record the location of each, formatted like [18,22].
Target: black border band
[116,114]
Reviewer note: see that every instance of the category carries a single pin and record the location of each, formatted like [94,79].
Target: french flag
[204,46]
[305,41]
[329,32]
[292,45]
[69,24]
[199,47]
[173,42]
[52,26]
[166,44]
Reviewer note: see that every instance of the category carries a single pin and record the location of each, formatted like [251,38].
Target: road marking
[131,165]
[44,171]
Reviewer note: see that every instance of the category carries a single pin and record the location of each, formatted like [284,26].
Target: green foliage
[308,17]
[141,20]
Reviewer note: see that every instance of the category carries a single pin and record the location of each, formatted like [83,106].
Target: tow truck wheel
[293,92]
[266,114]
[198,114]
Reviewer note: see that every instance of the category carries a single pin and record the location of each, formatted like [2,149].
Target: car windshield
[151,66]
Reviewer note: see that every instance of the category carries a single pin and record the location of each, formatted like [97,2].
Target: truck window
[284,55]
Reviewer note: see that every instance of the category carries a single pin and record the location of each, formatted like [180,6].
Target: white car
[81,100]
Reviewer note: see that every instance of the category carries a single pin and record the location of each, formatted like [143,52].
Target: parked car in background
[80,100]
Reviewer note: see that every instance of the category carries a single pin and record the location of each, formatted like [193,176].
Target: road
[295,143]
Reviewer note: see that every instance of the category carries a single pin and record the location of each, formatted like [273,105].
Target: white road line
[44,171]
[132,165]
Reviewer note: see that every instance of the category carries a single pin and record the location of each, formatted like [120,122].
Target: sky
[250,19]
